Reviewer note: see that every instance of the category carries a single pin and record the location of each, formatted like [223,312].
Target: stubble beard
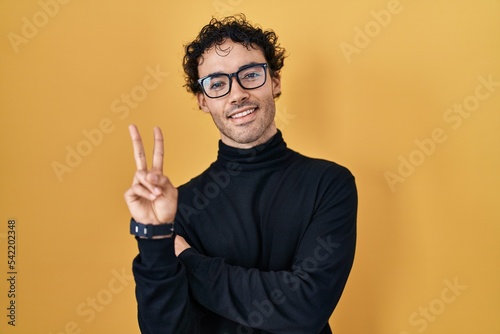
[249,133]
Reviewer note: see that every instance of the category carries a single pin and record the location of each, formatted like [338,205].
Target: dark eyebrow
[239,69]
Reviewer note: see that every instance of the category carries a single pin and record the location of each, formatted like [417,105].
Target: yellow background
[368,108]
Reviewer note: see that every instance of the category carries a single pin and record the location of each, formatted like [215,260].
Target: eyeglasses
[251,76]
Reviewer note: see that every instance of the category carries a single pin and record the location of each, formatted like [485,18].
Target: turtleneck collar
[272,154]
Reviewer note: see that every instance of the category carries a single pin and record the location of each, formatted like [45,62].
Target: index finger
[139,155]
[158,150]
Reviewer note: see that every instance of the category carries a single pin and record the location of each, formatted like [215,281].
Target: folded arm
[298,300]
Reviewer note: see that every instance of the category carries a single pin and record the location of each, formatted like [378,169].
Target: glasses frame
[230,77]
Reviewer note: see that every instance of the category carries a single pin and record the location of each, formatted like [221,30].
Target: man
[265,237]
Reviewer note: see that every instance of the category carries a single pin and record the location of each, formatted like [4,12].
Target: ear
[202,102]
[276,85]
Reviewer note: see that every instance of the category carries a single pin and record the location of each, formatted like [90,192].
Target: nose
[237,94]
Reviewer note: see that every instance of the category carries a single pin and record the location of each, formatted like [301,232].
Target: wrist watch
[149,231]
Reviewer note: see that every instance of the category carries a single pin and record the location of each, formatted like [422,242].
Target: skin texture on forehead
[223,56]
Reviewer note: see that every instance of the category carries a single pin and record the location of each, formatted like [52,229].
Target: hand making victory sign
[152,199]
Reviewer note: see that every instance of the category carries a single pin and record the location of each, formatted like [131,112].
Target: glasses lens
[216,85]
[252,77]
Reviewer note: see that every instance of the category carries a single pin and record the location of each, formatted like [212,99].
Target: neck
[272,154]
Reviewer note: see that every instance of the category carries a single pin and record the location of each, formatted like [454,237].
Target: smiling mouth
[242,114]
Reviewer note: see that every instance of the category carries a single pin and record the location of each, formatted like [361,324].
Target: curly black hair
[239,30]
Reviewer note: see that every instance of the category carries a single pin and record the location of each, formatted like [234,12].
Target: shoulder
[330,181]
[196,180]
[321,168]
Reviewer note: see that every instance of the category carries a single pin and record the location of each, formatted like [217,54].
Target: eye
[217,85]
[251,75]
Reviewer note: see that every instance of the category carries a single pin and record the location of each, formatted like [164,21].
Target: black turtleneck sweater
[272,237]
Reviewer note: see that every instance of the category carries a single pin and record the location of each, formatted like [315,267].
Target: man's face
[245,118]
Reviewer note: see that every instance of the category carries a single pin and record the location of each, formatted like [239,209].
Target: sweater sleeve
[298,300]
[162,296]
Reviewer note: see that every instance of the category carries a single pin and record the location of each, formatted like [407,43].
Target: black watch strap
[149,230]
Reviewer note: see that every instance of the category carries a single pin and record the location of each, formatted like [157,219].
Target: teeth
[243,114]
